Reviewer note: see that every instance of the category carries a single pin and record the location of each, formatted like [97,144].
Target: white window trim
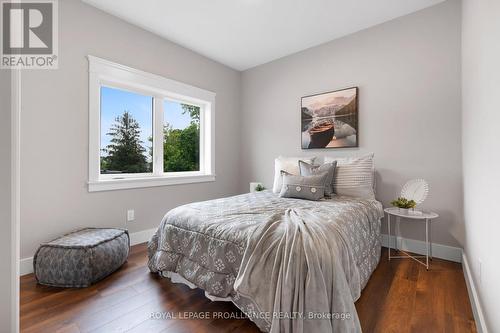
[106,73]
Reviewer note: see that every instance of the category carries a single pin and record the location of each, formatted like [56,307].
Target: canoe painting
[321,135]
[330,120]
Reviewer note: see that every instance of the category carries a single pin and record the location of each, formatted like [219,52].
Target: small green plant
[404,203]
[259,188]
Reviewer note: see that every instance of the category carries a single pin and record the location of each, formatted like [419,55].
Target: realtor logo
[29,34]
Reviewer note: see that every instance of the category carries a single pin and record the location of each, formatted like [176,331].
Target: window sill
[151,181]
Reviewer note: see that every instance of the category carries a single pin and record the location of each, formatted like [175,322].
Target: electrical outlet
[130,215]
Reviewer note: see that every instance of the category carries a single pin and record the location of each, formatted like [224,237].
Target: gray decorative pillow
[303,187]
[354,176]
[307,169]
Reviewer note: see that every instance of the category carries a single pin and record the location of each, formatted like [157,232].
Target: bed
[290,265]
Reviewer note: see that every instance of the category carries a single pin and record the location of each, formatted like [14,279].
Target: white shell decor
[313,190]
[415,189]
[298,188]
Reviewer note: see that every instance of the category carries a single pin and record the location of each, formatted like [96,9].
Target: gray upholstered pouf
[81,258]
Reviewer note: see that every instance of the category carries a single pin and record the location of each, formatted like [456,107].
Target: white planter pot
[404,210]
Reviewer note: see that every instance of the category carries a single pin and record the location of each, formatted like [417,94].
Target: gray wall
[54,148]
[408,74]
[5,203]
[481,152]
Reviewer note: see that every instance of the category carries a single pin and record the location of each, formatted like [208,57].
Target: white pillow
[354,176]
[288,164]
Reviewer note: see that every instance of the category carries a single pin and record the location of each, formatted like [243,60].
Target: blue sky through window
[173,115]
[115,101]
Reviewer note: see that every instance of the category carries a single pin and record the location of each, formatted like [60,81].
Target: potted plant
[404,204]
[259,188]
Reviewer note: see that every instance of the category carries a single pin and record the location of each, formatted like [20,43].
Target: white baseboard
[142,236]
[474,297]
[438,250]
[26,264]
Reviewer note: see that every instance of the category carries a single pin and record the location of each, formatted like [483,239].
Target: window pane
[181,140]
[126,132]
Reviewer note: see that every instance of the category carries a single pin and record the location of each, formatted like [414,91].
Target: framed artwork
[330,120]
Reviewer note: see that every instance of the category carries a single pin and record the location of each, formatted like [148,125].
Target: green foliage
[194,112]
[404,203]
[259,188]
[125,153]
[181,147]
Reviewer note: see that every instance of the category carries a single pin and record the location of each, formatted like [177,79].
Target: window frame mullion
[158,135]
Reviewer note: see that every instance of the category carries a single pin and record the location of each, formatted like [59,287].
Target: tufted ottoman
[81,258]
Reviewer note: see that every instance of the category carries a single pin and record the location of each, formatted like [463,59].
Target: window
[181,137]
[126,132]
[146,130]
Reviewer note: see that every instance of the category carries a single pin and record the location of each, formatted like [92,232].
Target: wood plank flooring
[401,296]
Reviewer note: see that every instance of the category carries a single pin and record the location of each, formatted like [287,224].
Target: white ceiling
[246,33]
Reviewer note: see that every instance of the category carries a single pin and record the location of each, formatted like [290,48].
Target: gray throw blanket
[293,271]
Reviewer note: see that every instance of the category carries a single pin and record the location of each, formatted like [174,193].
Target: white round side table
[426,217]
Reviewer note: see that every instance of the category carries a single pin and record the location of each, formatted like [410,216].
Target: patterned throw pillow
[288,164]
[354,176]
[303,187]
[307,169]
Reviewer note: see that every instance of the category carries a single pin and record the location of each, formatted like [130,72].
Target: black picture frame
[321,121]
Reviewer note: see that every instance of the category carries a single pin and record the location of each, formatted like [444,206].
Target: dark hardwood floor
[401,296]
